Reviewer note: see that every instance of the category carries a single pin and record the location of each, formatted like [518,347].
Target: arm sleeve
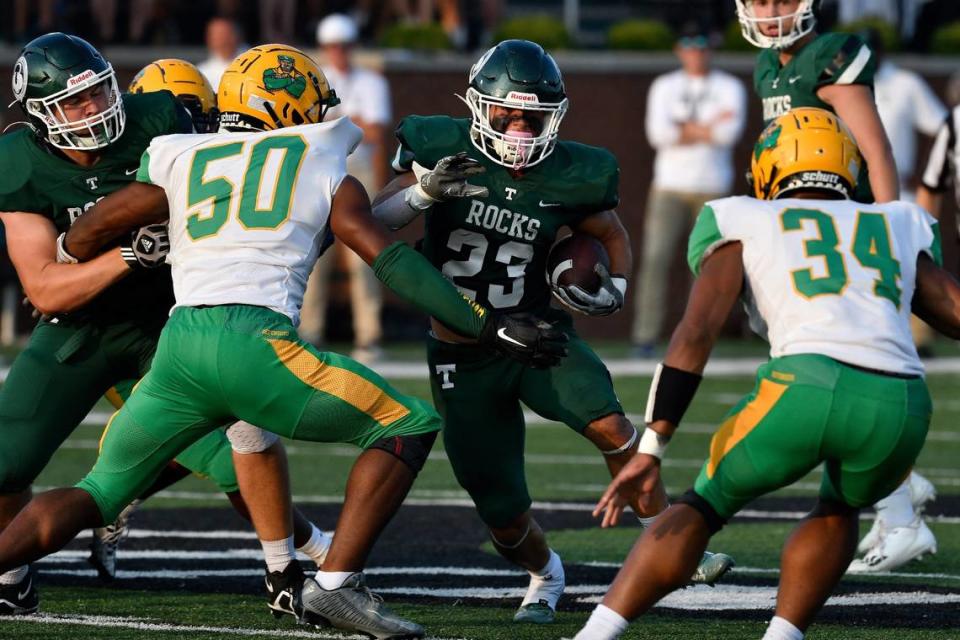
[661,130]
[845,59]
[936,177]
[143,172]
[704,239]
[413,278]
[727,132]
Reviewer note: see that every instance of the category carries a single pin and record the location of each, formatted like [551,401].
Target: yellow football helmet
[186,82]
[273,86]
[805,149]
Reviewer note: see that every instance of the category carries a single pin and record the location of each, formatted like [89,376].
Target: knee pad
[411,450]
[246,438]
[713,519]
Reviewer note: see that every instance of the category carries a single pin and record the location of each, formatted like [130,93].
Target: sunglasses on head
[694,42]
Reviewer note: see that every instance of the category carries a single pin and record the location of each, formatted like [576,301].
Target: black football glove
[148,247]
[526,338]
[448,179]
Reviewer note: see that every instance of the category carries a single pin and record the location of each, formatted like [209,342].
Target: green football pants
[479,395]
[215,365]
[867,428]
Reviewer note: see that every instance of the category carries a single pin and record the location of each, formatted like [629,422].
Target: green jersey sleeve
[842,58]
[143,172]
[426,139]
[704,238]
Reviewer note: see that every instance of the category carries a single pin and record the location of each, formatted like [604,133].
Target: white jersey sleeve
[247,210]
[823,276]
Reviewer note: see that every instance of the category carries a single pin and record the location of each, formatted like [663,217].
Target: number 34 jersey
[494,249]
[831,277]
[247,209]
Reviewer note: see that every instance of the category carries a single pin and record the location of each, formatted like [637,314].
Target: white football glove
[607,300]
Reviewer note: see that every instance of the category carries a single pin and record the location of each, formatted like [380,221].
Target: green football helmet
[54,67]
[516,74]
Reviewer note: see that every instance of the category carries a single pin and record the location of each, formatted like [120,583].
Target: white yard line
[145,624]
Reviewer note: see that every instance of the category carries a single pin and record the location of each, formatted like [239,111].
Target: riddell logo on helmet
[819,176]
[517,96]
[87,75]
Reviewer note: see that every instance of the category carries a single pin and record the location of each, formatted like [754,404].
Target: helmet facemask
[86,134]
[508,149]
[803,19]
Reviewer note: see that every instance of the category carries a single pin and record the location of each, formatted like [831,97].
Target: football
[572,261]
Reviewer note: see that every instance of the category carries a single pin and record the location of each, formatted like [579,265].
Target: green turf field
[561,468]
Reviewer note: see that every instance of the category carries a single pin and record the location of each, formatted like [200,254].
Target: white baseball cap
[336,28]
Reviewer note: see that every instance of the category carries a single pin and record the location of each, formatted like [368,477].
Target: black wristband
[671,393]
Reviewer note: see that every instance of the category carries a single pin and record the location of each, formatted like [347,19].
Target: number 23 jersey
[831,277]
[494,249]
[247,209]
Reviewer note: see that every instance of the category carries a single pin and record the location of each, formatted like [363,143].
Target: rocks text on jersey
[775,106]
[505,221]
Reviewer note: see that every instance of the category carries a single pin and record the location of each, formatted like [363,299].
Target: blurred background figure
[907,106]
[695,116]
[223,40]
[277,20]
[365,99]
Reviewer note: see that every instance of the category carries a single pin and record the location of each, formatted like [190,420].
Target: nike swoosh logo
[502,334]
[21,596]
[549,204]
[131,172]
[793,79]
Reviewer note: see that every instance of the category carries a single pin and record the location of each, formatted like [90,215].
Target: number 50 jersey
[246,210]
[832,277]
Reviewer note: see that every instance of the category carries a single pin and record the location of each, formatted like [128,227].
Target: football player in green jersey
[490,223]
[103,319]
[800,68]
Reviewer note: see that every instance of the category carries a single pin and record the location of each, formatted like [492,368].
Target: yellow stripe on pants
[736,427]
[344,384]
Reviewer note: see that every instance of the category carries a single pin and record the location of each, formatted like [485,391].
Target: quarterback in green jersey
[800,68]
[103,319]
[489,225]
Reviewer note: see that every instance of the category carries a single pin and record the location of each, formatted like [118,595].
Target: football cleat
[921,490]
[283,591]
[712,567]
[539,605]
[106,540]
[898,546]
[353,607]
[19,599]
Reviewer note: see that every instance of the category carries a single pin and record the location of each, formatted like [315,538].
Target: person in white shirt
[223,39]
[365,99]
[695,116]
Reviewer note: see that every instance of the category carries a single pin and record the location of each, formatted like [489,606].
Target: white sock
[317,546]
[553,566]
[330,580]
[782,629]
[896,510]
[14,576]
[604,624]
[646,523]
[277,553]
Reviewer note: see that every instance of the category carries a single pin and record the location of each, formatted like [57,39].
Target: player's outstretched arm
[855,105]
[937,297]
[414,279]
[55,288]
[136,205]
[714,293]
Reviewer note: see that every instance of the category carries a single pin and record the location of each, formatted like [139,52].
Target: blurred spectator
[105,17]
[223,44]
[907,105]
[277,19]
[695,116]
[365,98]
[24,27]
[902,14]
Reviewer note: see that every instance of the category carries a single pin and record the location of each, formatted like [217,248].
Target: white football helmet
[803,23]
